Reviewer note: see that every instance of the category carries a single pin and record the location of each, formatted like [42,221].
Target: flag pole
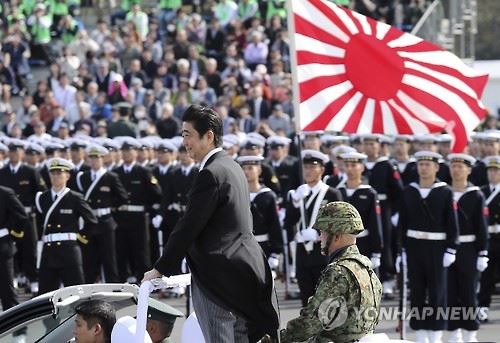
[295,83]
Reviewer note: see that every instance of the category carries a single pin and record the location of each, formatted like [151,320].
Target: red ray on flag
[357,75]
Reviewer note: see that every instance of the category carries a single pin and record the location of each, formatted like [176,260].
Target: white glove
[309,234]
[301,192]
[273,261]
[375,260]
[400,261]
[395,219]
[482,263]
[157,221]
[449,257]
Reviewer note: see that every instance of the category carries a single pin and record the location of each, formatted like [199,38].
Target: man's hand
[150,275]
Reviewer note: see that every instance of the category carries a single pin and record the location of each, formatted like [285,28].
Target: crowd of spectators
[233,56]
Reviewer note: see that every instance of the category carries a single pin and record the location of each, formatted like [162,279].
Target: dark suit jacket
[225,259]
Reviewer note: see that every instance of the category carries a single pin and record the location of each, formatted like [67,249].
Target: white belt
[4,232]
[99,212]
[363,233]
[27,209]
[494,228]
[467,238]
[131,208]
[432,236]
[55,237]
[382,197]
[262,238]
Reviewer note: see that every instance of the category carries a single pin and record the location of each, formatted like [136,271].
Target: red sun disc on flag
[357,75]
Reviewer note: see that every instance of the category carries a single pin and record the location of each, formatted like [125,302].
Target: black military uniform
[287,171]
[25,181]
[77,144]
[463,276]
[104,191]
[61,258]
[12,218]
[407,170]
[386,181]
[309,260]
[428,228]
[478,174]
[364,199]
[132,235]
[490,275]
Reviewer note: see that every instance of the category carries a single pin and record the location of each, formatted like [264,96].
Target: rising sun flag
[357,75]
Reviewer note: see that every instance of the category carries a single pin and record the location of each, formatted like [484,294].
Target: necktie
[13,170]
[55,197]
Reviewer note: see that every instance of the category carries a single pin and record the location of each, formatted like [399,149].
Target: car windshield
[45,327]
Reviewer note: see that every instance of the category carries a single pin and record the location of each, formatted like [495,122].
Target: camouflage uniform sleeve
[321,308]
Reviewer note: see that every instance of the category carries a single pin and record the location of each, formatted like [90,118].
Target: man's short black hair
[98,312]
[204,119]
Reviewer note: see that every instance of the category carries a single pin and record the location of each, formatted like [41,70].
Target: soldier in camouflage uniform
[346,303]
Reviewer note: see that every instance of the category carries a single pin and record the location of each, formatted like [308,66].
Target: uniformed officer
[428,142]
[254,146]
[61,208]
[34,154]
[463,275]
[407,166]
[346,303]
[492,194]
[25,181]
[167,154]
[161,320]
[77,150]
[266,224]
[51,150]
[302,211]
[3,151]
[429,233]
[285,167]
[338,176]
[385,179]
[104,191]
[489,143]
[364,198]
[111,159]
[132,235]
[143,154]
[13,219]
[231,143]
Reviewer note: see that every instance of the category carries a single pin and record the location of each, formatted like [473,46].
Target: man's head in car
[94,321]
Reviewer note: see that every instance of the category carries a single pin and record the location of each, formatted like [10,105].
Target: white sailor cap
[315,133]
[94,150]
[404,138]
[386,139]
[50,147]
[108,143]
[58,163]
[490,136]
[166,145]
[77,143]
[257,136]
[253,143]
[14,143]
[277,141]
[371,137]
[314,157]
[230,140]
[492,161]
[425,155]
[445,138]
[353,157]
[462,158]
[177,141]
[146,143]
[250,160]
[33,148]
[342,149]
[130,143]
[427,138]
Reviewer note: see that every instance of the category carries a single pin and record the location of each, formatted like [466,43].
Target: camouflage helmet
[339,217]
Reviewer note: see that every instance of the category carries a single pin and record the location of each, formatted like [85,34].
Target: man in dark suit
[104,191]
[233,291]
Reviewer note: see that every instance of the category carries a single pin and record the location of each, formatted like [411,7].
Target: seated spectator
[168,126]
[256,51]
[203,94]
[135,71]
[117,91]
[278,120]
[94,322]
